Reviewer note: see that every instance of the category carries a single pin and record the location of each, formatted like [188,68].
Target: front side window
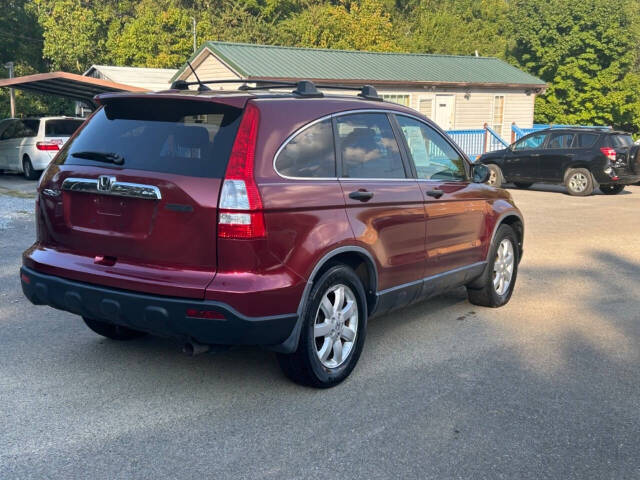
[561,140]
[310,154]
[368,147]
[432,155]
[531,142]
[12,130]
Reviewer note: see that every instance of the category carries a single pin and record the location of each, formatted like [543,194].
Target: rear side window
[560,140]
[61,128]
[310,154]
[29,128]
[584,140]
[433,156]
[183,137]
[368,147]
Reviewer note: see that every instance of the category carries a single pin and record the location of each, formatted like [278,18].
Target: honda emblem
[105,182]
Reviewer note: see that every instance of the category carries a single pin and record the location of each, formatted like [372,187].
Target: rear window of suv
[183,137]
[61,128]
[620,140]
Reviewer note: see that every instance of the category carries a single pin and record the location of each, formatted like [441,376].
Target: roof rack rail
[303,88]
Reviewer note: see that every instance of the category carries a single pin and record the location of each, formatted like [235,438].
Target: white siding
[149,78]
[210,68]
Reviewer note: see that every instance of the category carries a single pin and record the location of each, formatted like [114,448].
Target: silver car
[28,145]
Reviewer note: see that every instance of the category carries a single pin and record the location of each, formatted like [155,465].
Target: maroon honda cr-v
[255,217]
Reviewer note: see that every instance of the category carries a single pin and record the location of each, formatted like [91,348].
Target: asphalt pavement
[546,387]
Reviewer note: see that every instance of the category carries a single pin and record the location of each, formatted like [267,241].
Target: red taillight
[609,152]
[47,146]
[240,208]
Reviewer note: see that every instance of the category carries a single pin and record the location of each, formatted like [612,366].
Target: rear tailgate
[623,145]
[148,224]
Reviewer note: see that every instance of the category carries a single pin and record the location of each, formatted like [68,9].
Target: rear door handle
[436,193]
[361,195]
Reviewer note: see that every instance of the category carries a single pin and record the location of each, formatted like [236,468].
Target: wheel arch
[573,166]
[515,221]
[362,263]
[359,259]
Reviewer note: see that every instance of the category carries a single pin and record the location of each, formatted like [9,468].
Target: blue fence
[475,142]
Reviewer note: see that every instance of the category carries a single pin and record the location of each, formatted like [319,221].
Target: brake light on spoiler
[240,214]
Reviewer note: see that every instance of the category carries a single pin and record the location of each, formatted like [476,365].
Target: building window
[396,98]
[498,114]
[425,107]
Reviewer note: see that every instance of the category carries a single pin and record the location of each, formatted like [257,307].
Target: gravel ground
[546,387]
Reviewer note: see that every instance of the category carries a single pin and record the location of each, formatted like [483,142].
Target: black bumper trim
[158,315]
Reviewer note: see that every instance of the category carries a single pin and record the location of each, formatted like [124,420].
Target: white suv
[28,145]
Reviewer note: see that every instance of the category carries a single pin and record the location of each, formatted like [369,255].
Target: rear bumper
[624,178]
[158,315]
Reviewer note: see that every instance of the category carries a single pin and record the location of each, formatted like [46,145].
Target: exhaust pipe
[192,348]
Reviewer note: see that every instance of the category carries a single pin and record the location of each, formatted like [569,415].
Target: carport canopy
[68,85]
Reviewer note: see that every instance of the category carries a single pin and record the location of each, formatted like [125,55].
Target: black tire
[579,182]
[611,189]
[482,290]
[27,169]
[523,185]
[114,332]
[304,365]
[495,175]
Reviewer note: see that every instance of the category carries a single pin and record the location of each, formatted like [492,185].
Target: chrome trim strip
[118,189]
[432,277]
[350,112]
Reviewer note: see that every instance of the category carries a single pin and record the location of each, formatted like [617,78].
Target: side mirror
[480,173]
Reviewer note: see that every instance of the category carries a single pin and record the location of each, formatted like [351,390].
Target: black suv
[580,158]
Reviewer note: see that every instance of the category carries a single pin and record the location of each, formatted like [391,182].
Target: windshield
[191,138]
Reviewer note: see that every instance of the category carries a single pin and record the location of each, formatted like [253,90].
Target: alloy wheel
[336,326]
[503,267]
[578,182]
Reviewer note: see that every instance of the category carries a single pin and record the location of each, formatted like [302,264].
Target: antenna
[202,87]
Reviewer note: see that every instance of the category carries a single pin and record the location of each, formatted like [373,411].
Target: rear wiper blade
[108,157]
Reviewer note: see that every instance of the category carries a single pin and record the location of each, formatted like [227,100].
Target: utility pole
[12,94]
[195,35]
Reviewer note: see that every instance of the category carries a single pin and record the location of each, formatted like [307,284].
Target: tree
[362,25]
[459,27]
[587,51]
[74,33]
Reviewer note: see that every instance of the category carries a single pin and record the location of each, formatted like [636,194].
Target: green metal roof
[265,61]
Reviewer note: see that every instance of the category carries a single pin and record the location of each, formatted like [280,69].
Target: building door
[444,111]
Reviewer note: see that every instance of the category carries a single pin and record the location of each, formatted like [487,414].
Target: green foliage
[363,25]
[587,51]
[458,27]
